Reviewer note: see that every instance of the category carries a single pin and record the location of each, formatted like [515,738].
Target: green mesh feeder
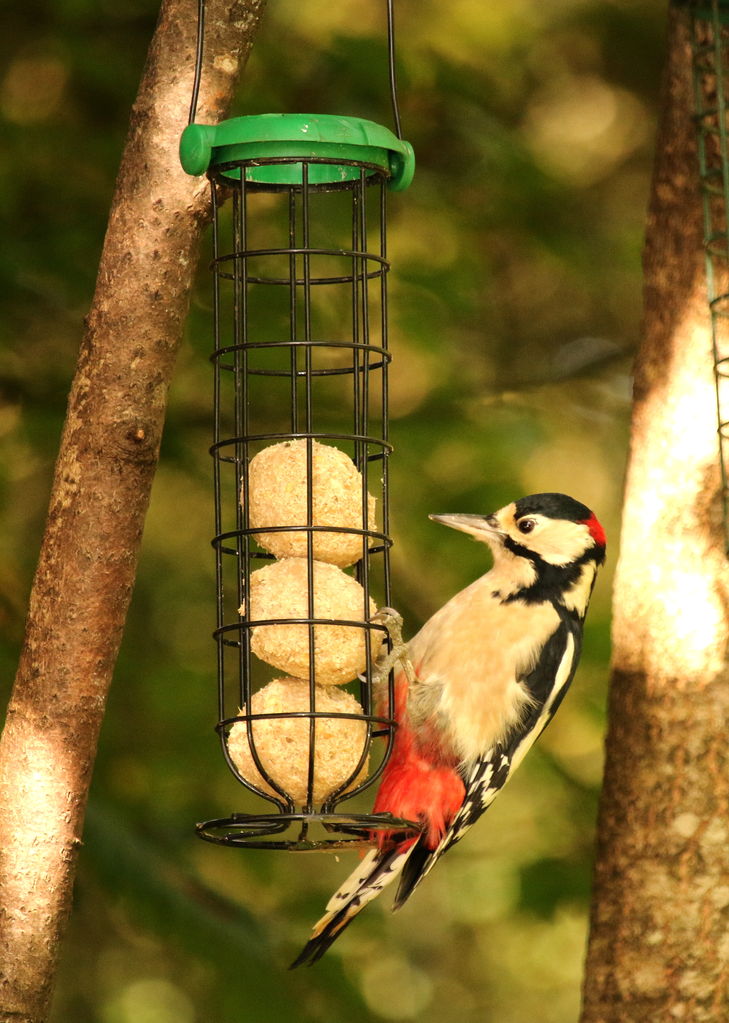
[301,360]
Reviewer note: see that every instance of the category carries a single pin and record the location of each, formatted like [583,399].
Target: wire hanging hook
[392,68]
[391,63]
[198,60]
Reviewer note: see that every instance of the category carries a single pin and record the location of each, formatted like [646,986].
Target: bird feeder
[710,59]
[300,467]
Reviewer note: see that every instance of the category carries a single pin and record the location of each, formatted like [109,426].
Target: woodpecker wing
[484,778]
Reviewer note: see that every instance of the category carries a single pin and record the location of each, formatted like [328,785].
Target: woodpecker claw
[391,619]
[398,652]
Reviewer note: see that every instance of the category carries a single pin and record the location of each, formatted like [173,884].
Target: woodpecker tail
[377,870]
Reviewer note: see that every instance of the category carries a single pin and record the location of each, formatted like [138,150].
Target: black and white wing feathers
[484,778]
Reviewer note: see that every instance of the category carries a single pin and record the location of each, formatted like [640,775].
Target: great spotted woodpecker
[486,674]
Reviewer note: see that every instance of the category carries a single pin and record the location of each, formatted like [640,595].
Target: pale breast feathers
[469,689]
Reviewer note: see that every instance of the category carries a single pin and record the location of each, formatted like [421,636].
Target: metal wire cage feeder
[300,359]
[710,64]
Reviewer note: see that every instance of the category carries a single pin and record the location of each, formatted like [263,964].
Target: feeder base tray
[302,832]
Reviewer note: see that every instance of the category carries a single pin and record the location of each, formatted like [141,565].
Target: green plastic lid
[267,137]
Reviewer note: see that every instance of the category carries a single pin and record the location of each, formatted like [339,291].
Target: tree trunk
[101,487]
[658,946]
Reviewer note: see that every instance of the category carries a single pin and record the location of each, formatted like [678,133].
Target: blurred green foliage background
[515,305]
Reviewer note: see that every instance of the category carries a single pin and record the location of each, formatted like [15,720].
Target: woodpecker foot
[398,652]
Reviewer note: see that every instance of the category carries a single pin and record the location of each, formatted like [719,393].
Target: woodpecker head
[549,544]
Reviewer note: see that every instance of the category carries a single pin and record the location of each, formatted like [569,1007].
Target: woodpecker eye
[526,525]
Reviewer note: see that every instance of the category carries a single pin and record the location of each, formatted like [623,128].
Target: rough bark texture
[102,482]
[659,944]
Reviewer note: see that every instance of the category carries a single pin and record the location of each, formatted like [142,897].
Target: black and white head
[544,545]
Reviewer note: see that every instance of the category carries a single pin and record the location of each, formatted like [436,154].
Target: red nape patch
[596,531]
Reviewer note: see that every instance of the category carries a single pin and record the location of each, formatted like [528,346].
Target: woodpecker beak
[483,527]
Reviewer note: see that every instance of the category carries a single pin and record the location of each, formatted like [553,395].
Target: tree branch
[657,946]
[107,458]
